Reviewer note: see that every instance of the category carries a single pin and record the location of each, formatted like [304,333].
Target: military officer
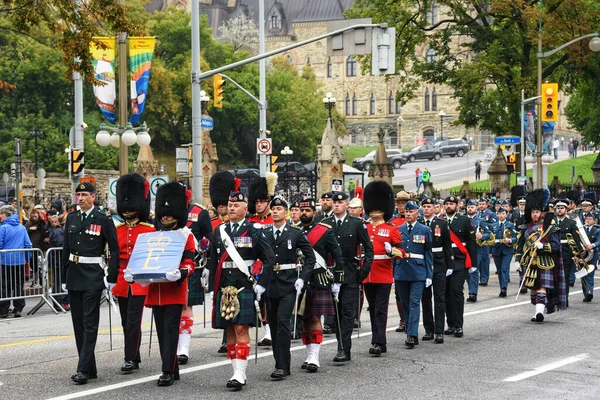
[464,251]
[484,240]
[88,231]
[295,214]
[503,248]
[401,198]
[587,282]
[286,282]
[443,266]
[567,226]
[351,233]
[413,270]
[487,218]
[326,207]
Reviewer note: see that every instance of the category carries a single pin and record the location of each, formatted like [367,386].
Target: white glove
[110,286]
[259,290]
[539,245]
[127,276]
[388,247]
[428,282]
[335,289]
[63,286]
[299,284]
[449,272]
[204,278]
[472,270]
[173,275]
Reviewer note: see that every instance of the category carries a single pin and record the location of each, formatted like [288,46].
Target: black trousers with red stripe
[167,329]
[131,309]
[378,296]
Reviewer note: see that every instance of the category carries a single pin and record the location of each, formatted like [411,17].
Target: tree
[241,32]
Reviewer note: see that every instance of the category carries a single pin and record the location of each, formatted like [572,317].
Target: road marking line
[546,368]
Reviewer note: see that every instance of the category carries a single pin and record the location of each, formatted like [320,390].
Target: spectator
[42,212]
[417,172]
[555,146]
[13,235]
[570,148]
[477,170]
[36,229]
[575,146]
[56,236]
[58,206]
[426,177]
[419,180]
[23,213]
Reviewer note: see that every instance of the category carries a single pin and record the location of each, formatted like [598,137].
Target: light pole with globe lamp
[399,129]
[127,135]
[287,152]
[329,103]
[442,114]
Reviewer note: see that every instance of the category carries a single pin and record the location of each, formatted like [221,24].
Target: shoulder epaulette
[120,225]
[200,205]
[147,224]
[325,225]
[295,227]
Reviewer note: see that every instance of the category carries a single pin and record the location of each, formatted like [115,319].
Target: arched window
[391,104]
[393,139]
[275,22]
[427,99]
[354,105]
[308,61]
[347,103]
[350,66]
[398,107]
[432,13]
[372,104]
[430,56]
[329,68]
[434,100]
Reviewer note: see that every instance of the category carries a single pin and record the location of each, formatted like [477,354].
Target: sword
[296,306]
[339,327]
[111,302]
[360,286]
[151,324]
[258,316]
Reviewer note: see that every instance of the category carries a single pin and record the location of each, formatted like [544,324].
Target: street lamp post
[123,136]
[442,114]
[329,103]
[287,152]
[35,133]
[399,129]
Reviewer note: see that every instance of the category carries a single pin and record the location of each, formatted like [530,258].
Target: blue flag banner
[155,254]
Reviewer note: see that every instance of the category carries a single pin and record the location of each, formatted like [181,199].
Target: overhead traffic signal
[512,162]
[550,102]
[77,162]
[218,82]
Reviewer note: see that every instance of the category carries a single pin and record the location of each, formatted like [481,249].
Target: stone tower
[330,158]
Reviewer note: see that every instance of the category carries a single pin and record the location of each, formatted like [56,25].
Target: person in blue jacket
[503,248]
[587,282]
[413,270]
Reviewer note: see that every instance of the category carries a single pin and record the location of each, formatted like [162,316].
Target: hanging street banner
[141,50]
[530,133]
[103,61]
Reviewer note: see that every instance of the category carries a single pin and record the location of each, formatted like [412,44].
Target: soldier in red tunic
[133,205]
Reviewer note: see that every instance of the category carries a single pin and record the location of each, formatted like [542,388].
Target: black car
[395,157]
[453,147]
[425,152]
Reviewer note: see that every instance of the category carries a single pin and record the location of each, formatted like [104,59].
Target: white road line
[546,368]
[261,355]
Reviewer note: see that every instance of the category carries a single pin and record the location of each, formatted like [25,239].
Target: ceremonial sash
[461,247]
[313,237]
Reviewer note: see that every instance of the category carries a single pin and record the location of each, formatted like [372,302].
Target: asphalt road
[502,356]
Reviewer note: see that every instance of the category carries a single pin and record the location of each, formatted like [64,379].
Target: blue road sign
[207,122]
[507,140]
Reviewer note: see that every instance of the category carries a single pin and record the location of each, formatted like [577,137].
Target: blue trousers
[503,265]
[410,297]
[483,264]
[484,267]
[587,283]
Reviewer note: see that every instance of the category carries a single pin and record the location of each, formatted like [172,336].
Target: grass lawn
[167,158]
[561,169]
[352,152]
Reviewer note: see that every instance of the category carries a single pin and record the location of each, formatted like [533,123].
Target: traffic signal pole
[262,126]
[196,106]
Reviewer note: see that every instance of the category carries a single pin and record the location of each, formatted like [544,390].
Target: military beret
[279,201]
[501,210]
[234,197]
[428,200]
[308,202]
[355,203]
[327,195]
[338,196]
[483,200]
[411,205]
[471,202]
[295,204]
[451,199]
[590,214]
[85,187]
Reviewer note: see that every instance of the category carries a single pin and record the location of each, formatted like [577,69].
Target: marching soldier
[587,282]
[488,217]
[295,214]
[350,232]
[401,198]
[379,206]
[443,266]
[503,248]
[355,208]
[414,270]
[286,282]
[317,298]
[465,257]
[236,246]
[567,227]
[133,205]
[326,207]
[87,233]
[484,239]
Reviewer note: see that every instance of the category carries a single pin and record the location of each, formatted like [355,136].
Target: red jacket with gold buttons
[127,236]
[381,269]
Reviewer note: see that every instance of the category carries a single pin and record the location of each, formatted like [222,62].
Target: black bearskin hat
[536,200]
[379,195]
[133,194]
[221,184]
[515,193]
[261,188]
[573,195]
[173,199]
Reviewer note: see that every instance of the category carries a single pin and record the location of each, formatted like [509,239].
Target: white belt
[564,241]
[381,257]
[498,240]
[283,267]
[419,256]
[231,264]
[437,249]
[463,243]
[85,260]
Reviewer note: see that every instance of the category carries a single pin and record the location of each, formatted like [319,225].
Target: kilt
[545,278]
[321,302]
[246,316]
[195,289]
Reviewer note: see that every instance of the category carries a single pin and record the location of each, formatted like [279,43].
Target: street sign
[206,122]
[155,182]
[111,201]
[507,140]
[264,146]
[337,185]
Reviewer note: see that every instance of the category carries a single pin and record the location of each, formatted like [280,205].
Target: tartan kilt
[545,279]
[246,316]
[322,302]
[195,289]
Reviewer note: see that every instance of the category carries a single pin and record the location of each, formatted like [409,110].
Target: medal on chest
[383,232]
[289,243]
[437,231]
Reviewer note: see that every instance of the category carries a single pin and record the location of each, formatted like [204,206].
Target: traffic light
[77,163]
[273,161]
[550,102]
[512,162]
[218,82]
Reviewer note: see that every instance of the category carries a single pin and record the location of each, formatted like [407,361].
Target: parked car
[395,157]
[425,152]
[453,147]
[292,167]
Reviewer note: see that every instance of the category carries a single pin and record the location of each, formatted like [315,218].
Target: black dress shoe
[401,327]
[439,338]
[312,367]
[327,330]
[222,349]
[341,356]
[410,342]
[166,379]
[265,342]
[472,298]
[235,384]
[375,350]
[588,298]
[449,331]
[278,374]
[428,336]
[80,378]
[502,293]
[182,359]
[458,332]
[539,317]
[17,314]
[304,364]
[129,366]
[482,283]
[523,290]
[383,348]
